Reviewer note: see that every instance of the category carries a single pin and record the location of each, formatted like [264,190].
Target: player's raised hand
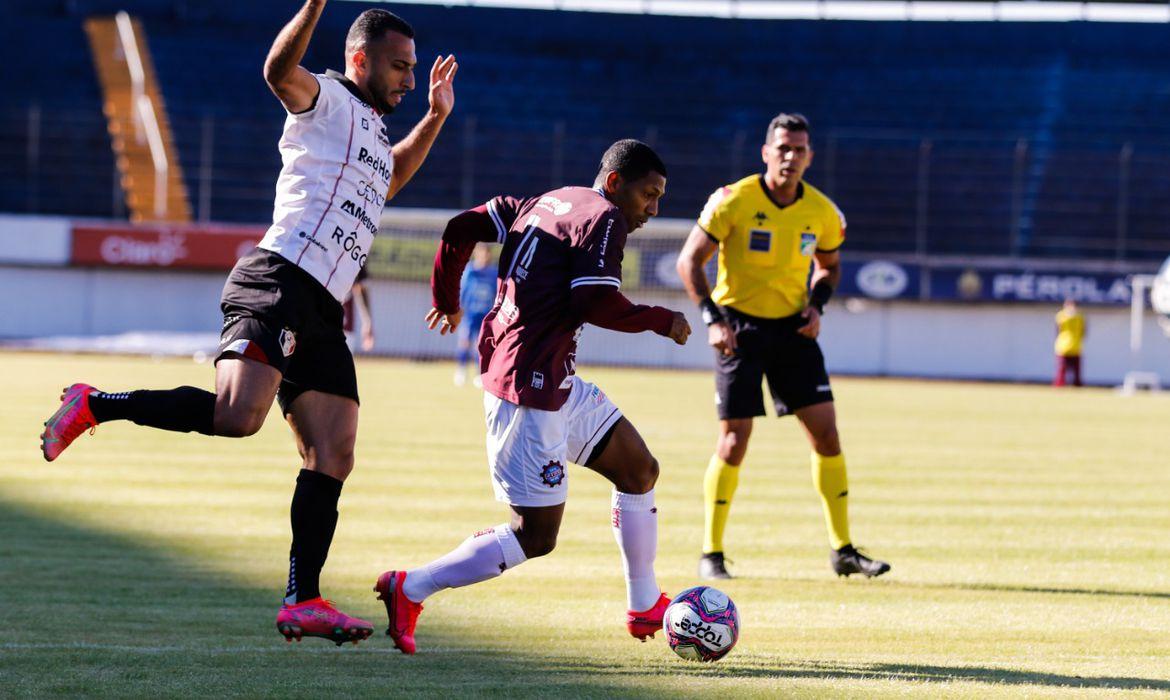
[721,337]
[447,323]
[442,92]
[680,330]
[813,328]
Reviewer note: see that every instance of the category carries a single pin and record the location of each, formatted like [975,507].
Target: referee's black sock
[314,519]
[185,409]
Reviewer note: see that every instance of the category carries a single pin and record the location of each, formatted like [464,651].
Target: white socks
[635,527]
[484,555]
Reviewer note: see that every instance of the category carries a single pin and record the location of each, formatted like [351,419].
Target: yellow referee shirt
[765,250]
[1070,333]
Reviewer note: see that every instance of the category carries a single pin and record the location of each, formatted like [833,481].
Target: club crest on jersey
[537,380]
[808,243]
[288,342]
[552,474]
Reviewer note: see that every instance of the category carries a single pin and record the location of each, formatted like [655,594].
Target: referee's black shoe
[848,560]
[712,566]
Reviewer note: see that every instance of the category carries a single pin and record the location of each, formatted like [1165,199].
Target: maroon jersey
[559,248]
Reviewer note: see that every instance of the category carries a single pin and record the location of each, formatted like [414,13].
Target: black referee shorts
[771,348]
[275,312]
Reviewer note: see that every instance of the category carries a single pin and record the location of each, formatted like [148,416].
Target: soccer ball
[701,624]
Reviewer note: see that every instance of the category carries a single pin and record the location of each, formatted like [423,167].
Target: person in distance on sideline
[282,334]
[763,320]
[560,267]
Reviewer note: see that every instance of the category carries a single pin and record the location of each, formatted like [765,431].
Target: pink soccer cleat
[318,618]
[644,624]
[402,611]
[71,420]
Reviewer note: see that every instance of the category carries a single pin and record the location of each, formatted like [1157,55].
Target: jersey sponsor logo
[808,243]
[348,243]
[554,205]
[605,242]
[537,380]
[371,194]
[288,342]
[552,474]
[882,280]
[380,166]
[360,214]
[760,240]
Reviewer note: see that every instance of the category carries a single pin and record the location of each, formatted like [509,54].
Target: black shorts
[770,348]
[275,312]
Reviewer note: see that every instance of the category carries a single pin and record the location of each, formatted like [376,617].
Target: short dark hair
[631,159]
[788,122]
[372,25]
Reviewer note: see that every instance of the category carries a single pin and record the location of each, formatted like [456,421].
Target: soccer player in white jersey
[282,333]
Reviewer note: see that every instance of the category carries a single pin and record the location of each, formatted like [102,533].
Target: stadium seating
[1022,128]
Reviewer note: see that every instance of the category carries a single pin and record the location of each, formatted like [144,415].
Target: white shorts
[528,449]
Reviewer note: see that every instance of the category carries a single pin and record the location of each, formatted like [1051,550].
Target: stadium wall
[897,338]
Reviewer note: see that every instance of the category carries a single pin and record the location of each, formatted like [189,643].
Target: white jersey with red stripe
[332,186]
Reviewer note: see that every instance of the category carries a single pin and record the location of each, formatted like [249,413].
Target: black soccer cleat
[712,566]
[848,560]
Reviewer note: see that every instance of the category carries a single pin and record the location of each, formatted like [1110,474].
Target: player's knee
[238,421]
[334,458]
[733,445]
[537,544]
[826,441]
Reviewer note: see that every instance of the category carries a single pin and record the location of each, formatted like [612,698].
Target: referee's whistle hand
[813,328]
[722,338]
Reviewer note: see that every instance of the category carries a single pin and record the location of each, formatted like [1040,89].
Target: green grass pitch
[1029,530]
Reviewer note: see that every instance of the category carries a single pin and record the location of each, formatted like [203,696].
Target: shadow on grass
[87,612]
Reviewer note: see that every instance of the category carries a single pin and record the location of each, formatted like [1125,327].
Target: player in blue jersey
[476,298]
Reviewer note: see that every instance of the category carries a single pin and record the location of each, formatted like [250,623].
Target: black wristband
[822,291]
[711,311]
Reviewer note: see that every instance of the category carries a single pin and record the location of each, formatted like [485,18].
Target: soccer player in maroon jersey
[560,268]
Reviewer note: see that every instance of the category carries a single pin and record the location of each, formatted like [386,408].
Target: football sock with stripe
[829,478]
[484,555]
[314,519]
[185,409]
[635,527]
[719,484]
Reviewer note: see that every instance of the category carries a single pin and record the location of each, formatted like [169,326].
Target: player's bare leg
[244,392]
[829,478]
[719,485]
[628,464]
[325,427]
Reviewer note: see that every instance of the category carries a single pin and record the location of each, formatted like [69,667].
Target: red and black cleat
[645,624]
[318,618]
[72,418]
[401,611]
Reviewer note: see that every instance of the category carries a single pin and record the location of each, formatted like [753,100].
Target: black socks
[314,519]
[185,409]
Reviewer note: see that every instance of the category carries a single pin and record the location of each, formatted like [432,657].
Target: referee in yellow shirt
[763,319]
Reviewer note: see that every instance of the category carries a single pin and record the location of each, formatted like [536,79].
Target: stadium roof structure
[870,10]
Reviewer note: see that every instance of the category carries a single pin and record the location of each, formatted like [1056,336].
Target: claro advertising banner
[180,247]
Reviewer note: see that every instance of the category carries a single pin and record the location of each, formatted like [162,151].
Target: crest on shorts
[288,342]
[552,474]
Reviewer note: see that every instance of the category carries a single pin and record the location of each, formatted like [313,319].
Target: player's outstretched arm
[295,87]
[410,152]
[604,306]
[459,238]
[697,250]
